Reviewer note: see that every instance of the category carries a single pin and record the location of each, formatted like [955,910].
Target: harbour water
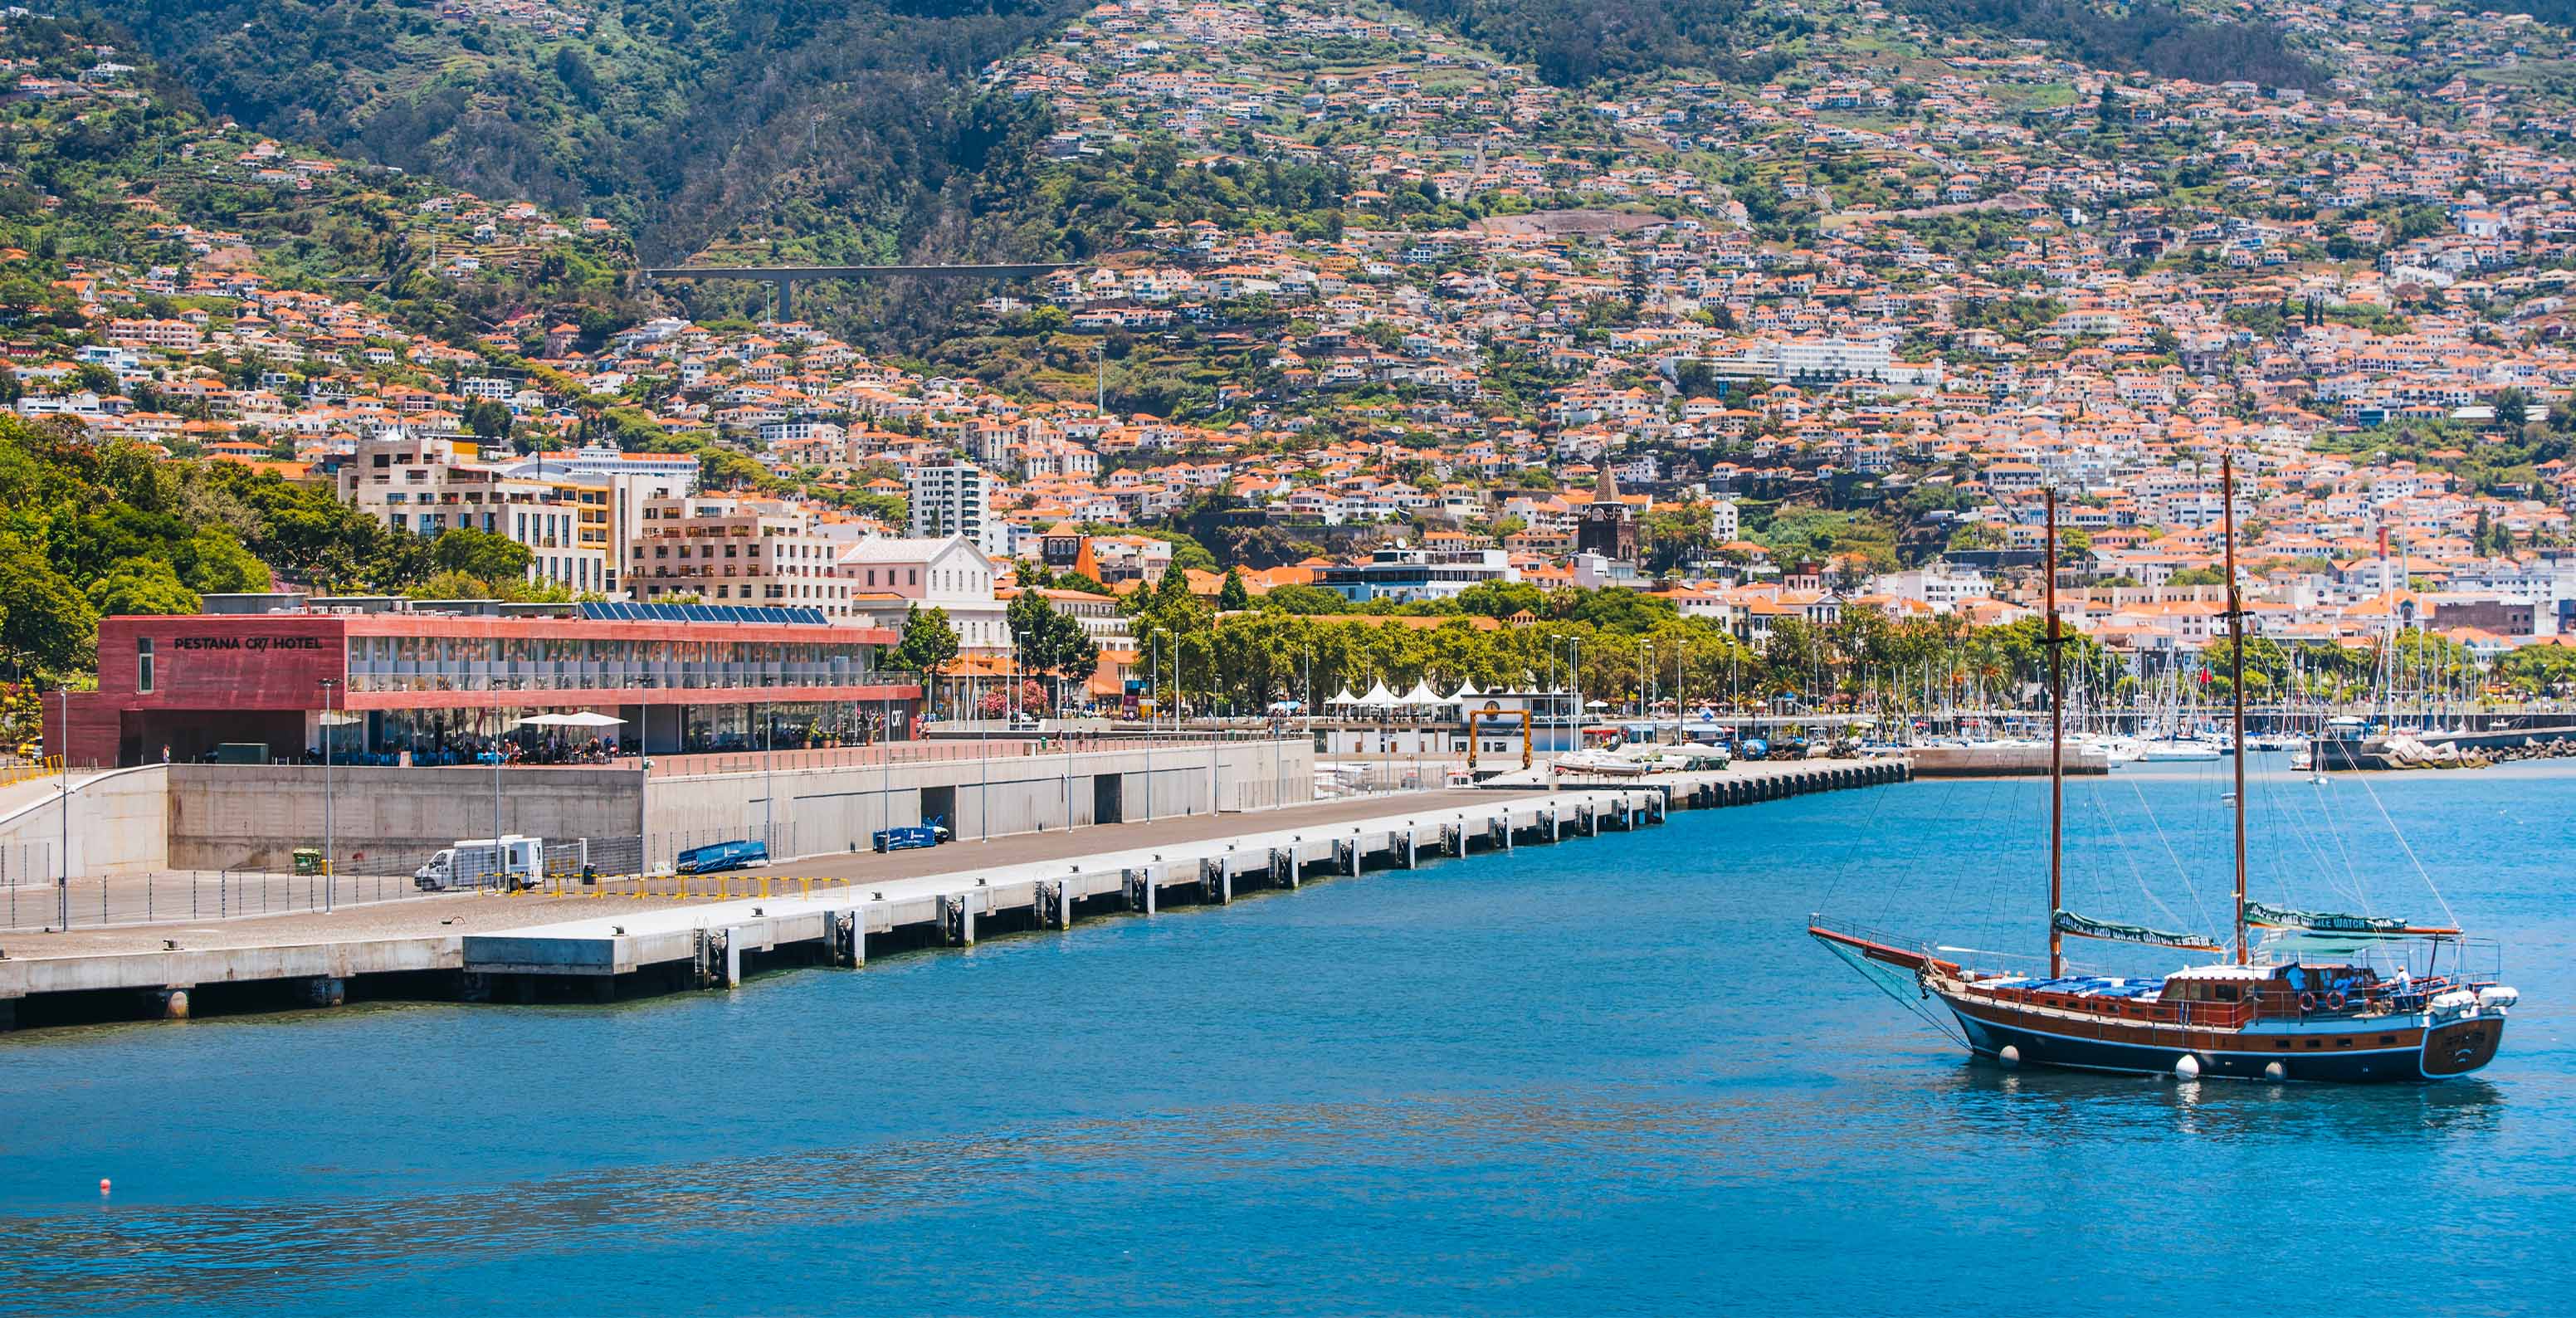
[1611,1076]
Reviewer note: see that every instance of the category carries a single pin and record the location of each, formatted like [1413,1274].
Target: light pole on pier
[330,875]
[1154,683]
[63,755]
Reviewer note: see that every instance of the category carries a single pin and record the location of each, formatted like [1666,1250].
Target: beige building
[428,486]
[726,550]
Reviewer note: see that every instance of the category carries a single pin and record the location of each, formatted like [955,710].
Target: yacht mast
[2056,747]
[2235,679]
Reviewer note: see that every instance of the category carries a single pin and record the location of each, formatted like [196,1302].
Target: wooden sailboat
[2316,1006]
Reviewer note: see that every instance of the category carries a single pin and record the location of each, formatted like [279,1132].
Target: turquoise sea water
[1607,1077]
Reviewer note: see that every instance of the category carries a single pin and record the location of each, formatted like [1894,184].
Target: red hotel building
[398,678]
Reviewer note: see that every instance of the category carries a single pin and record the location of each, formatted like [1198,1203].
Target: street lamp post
[1575,678]
[330,875]
[497,725]
[63,885]
[1216,731]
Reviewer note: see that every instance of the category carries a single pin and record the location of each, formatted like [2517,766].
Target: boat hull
[2441,1052]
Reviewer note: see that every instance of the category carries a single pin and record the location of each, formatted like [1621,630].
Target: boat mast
[2235,679]
[2056,746]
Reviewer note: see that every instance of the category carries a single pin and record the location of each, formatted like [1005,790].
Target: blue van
[723,856]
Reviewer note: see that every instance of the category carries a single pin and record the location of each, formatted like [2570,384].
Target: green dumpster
[308,860]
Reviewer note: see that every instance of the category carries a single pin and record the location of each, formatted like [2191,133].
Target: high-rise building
[956,500]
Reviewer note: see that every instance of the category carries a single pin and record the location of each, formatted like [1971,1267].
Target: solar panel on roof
[759,614]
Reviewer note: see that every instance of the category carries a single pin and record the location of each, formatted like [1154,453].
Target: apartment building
[736,551]
[428,486]
[956,499]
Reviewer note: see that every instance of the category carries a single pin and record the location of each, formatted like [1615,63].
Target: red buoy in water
[102,1185]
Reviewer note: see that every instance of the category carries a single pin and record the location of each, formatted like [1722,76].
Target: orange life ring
[2334,1000]
[2307,1002]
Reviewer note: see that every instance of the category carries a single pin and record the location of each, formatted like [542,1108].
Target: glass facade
[462,736]
[780,725]
[460,663]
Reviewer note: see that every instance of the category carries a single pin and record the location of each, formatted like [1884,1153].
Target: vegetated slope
[682,119]
[2159,38]
[1572,42]
[128,171]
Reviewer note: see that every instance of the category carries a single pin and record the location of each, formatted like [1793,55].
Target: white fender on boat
[2274,1071]
[2010,1057]
[2187,1067]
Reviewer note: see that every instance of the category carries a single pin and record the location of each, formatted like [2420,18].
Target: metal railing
[42,901]
[940,751]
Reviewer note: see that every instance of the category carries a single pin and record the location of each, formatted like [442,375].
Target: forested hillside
[129,169]
[2159,38]
[1572,42]
[681,119]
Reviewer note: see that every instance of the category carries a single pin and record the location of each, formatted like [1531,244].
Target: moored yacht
[2333,997]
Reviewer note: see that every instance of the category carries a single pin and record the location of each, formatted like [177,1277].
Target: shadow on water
[2036,1102]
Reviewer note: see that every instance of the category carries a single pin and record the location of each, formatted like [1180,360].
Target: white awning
[1378,697]
[582,719]
[1422,696]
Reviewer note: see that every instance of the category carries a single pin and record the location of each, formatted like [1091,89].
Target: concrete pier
[640,937]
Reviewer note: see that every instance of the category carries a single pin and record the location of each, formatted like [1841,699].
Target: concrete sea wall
[119,826]
[839,809]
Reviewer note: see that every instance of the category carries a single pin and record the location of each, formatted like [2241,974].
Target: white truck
[507,863]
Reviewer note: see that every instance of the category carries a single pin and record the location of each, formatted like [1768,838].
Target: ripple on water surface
[1605,1077]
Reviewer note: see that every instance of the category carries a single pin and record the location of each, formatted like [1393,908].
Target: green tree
[929,640]
[1502,599]
[724,469]
[491,556]
[1971,536]
[1298,597]
[143,586]
[490,420]
[46,625]
[1050,640]
[2512,408]
[1234,596]
[213,562]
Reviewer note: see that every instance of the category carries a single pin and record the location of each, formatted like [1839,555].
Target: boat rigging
[2311,1008]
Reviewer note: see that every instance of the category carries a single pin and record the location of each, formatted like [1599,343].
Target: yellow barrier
[30,770]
